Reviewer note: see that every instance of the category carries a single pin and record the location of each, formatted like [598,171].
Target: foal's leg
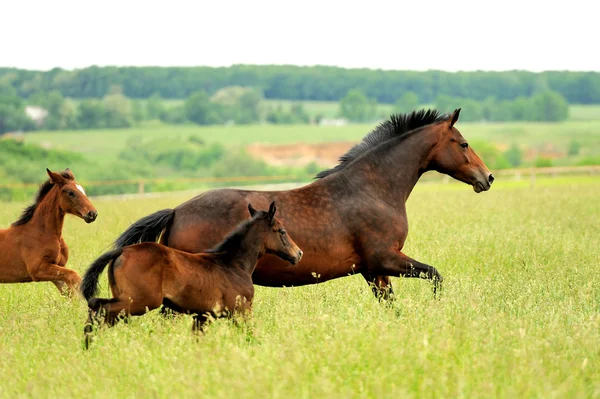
[62,261]
[46,271]
[200,323]
[395,263]
[381,286]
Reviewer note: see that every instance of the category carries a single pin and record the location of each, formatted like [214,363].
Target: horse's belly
[272,271]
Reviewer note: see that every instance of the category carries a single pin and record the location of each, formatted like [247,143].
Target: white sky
[416,34]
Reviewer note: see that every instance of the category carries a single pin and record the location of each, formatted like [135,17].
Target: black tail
[147,229]
[89,285]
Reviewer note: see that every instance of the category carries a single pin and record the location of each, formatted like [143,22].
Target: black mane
[30,210]
[233,241]
[398,126]
[41,194]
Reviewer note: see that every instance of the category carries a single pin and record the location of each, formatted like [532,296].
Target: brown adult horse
[351,220]
[32,248]
[216,283]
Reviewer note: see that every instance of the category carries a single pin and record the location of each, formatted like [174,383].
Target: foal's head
[71,196]
[455,157]
[277,240]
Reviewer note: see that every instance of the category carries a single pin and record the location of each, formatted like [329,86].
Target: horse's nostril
[300,253]
[491,178]
[92,214]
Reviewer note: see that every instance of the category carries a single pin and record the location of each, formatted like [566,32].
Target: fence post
[141,187]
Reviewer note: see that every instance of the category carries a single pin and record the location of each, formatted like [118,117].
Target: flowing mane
[39,197]
[398,126]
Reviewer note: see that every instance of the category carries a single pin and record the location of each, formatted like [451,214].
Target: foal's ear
[454,117]
[251,210]
[55,178]
[272,210]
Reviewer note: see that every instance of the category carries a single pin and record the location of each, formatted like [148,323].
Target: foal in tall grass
[215,283]
[32,248]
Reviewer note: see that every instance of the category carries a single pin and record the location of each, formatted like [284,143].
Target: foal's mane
[233,241]
[39,197]
[398,126]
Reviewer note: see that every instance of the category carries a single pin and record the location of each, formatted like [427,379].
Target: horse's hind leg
[395,263]
[96,310]
[381,286]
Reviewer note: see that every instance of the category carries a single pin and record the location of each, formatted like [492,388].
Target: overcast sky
[416,35]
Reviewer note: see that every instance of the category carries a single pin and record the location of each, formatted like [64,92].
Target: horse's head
[71,196]
[277,242]
[455,157]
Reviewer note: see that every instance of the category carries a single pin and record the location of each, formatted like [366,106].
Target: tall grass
[519,315]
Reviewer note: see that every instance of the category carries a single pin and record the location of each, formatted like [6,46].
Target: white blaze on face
[80,189]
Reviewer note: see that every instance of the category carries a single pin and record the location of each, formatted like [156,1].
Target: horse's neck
[391,171]
[48,216]
[246,254]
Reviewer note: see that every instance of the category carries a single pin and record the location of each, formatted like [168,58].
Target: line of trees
[547,105]
[242,105]
[303,83]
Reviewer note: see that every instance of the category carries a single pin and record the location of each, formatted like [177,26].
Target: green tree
[249,107]
[408,102]
[138,111]
[61,111]
[155,106]
[199,109]
[12,111]
[117,110]
[550,106]
[356,107]
[91,114]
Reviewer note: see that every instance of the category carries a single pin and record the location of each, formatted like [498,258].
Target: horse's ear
[251,210]
[454,117]
[272,210]
[55,178]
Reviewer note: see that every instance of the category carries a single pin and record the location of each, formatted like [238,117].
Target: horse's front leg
[381,286]
[395,263]
[62,261]
[46,271]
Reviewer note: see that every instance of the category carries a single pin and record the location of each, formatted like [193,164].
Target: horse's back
[202,222]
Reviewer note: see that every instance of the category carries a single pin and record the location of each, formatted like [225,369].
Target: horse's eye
[71,193]
[464,145]
[283,232]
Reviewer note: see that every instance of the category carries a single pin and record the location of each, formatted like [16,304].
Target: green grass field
[519,316]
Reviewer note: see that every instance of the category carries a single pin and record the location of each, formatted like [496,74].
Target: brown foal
[32,248]
[214,283]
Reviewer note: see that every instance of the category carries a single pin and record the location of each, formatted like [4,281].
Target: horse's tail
[147,229]
[89,284]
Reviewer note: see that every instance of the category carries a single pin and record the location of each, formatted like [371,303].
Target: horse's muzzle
[90,216]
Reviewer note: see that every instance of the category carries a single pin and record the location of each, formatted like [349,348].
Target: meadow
[518,317]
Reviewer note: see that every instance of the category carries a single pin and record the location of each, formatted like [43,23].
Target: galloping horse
[32,248]
[351,220]
[217,282]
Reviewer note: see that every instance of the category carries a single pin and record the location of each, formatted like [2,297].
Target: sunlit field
[519,316]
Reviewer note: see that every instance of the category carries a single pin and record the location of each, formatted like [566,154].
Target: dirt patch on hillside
[300,154]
